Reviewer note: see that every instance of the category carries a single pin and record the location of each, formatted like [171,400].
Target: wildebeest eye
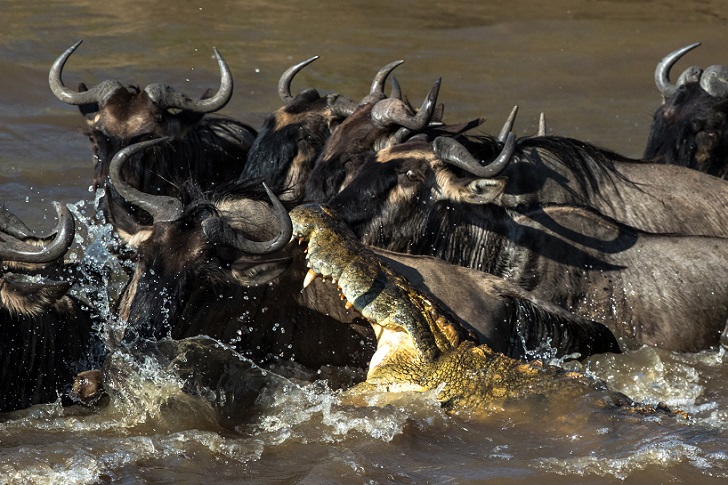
[411,175]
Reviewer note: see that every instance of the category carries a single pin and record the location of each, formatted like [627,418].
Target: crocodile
[420,346]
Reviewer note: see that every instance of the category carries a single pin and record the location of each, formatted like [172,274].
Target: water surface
[587,64]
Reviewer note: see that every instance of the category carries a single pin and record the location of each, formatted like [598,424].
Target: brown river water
[587,64]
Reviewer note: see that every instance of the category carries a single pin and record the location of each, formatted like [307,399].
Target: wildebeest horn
[393,111]
[715,81]
[167,97]
[396,89]
[662,72]
[160,207]
[217,231]
[28,253]
[284,83]
[97,94]
[341,105]
[508,126]
[452,152]
[376,91]
[541,125]
[11,224]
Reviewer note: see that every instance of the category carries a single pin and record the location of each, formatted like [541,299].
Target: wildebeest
[292,137]
[690,128]
[647,196]
[196,267]
[45,332]
[209,148]
[376,122]
[422,198]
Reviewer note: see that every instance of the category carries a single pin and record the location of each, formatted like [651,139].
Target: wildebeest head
[209,149]
[691,127]
[403,186]
[202,250]
[24,253]
[292,137]
[377,122]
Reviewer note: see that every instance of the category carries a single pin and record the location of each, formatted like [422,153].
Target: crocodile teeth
[348,304]
[310,276]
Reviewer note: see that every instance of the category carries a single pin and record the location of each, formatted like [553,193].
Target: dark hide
[650,197]
[290,142]
[691,130]
[651,289]
[45,336]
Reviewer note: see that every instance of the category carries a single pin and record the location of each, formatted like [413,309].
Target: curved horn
[541,125]
[217,231]
[341,105]
[452,152]
[715,81]
[97,94]
[662,72]
[393,111]
[11,224]
[167,97]
[508,126]
[396,89]
[376,91]
[284,83]
[160,207]
[28,253]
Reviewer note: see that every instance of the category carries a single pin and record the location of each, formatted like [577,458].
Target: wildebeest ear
[25,297]
[482,191]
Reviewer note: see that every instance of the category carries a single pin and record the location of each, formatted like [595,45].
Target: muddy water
[587,64]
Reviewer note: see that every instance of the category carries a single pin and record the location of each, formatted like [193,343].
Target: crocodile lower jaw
[390,343]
